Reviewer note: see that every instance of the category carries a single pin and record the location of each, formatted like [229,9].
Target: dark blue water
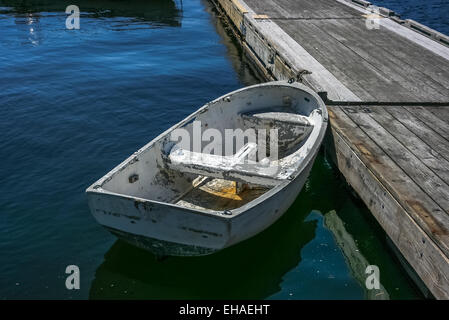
[75,103]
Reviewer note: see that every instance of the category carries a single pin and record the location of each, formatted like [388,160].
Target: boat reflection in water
[155,12]
[295,258]
[252,269]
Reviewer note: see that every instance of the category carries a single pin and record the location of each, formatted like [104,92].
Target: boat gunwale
[97,187]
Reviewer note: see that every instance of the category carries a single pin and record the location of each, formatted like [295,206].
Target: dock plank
[442,113]
[338,45]
[422,253]
[302,9]
[396,157]
[422,129]
[434,120]
[365,80]
[419,147]
[432,185]
[377,65]
[421,72]
[424,210]
[337,58]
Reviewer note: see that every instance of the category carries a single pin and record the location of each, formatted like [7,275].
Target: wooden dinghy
[177,197]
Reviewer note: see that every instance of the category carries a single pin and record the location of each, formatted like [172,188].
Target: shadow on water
[250,270]
[253,269]
[163,12]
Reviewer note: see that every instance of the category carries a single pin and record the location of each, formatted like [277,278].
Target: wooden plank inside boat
[220,195]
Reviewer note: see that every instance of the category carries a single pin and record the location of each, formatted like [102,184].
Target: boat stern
[162,228]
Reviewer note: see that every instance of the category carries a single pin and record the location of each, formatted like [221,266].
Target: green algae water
[75,103]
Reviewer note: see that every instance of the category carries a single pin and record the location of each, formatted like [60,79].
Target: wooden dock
[387,90]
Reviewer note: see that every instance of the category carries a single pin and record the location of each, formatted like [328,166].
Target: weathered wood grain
[302,9]
[428,214]
[432,119]
[418,70]
[383,64]
[362,60]
[420,250]
[432,185]
[419,147]
[422,129]
[442,113]
[395,157]
[296,57]
[365,80]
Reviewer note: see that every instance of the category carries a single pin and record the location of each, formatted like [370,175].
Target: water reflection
[250,270]
[160,12]
[246,70]
[31,22]
[304,255]
[58,94]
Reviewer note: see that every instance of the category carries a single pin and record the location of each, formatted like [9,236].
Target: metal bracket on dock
[300,76]
[433,34]
[323,96]
[387,12]
[362,3]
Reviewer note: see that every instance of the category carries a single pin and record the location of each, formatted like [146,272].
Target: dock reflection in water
[156,12]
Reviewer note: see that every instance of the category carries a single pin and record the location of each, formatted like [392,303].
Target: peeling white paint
[171,204]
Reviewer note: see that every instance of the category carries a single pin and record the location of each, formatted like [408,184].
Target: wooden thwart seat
[236,167]
[278,117]
[292,128]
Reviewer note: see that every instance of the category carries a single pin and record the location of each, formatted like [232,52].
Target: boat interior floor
[244,182]
[213,194]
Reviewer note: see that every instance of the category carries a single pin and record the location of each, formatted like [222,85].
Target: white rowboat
[172,199]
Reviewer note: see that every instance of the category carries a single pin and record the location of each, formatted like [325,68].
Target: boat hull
[161,248]
[264,214]
[158,227]
[155,203]
[172,231]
